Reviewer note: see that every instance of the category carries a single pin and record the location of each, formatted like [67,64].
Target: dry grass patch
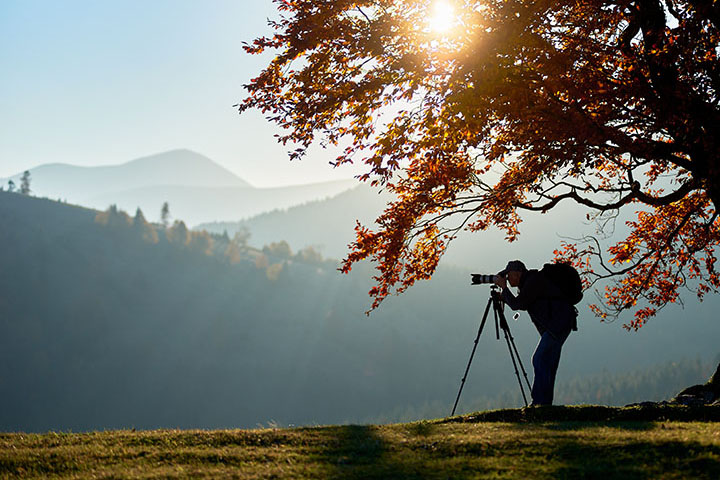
[458,448]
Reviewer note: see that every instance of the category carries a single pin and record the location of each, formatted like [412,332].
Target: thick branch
[634,194]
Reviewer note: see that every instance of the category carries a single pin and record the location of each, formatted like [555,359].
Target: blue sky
[103,82]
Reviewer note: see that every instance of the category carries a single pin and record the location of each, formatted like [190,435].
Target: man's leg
[545,363]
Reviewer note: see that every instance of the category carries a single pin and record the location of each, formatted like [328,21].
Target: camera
[481,279]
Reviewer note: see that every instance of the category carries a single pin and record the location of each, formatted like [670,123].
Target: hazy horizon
[300,181]
[98,84]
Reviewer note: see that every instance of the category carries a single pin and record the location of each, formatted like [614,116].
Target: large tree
[506,106]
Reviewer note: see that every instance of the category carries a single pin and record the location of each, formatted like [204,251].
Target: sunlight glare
[443,16]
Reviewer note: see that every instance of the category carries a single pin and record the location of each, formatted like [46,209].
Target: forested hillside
[108,321]
[325,224]
[328,225]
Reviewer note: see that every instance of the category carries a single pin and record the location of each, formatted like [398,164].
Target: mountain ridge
[196,188]
[329,224]
[197,204]
[175,167]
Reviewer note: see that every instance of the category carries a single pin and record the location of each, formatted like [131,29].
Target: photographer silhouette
[551,312]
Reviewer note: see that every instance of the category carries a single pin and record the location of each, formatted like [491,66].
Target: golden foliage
[521,105]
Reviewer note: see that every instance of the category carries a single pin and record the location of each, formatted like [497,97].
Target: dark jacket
[545,303]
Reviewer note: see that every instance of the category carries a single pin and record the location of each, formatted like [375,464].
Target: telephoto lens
[481,279]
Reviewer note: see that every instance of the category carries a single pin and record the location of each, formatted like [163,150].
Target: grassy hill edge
[649,412]
[548,443]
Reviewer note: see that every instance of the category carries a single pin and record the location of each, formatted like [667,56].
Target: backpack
[566,278]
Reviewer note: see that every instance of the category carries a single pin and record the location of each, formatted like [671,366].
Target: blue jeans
[545,362]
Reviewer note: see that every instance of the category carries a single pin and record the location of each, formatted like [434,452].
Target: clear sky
[98,82]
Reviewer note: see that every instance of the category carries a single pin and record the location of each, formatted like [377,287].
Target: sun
[442,16]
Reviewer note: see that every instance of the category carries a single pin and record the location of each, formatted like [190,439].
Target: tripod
[500,323]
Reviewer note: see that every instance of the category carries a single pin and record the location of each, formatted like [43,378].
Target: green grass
[556,442]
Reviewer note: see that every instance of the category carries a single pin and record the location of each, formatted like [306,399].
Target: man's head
[513,272]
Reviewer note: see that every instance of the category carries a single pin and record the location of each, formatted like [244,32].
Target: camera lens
[482,279]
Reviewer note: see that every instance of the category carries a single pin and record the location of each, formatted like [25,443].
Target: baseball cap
[513,266]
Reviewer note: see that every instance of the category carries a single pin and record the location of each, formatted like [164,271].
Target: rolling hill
[196,205]
[196,188]
[328,225]
[176,167]
[104,325]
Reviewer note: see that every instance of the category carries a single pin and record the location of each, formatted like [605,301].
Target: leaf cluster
[521,106]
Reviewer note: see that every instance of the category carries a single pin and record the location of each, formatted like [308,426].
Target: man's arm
[527,295]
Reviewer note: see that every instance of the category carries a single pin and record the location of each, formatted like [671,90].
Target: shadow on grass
[359,452]
[637,460]
[356,452]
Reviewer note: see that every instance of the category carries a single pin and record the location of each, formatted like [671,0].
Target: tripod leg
[472,354]
[510,341]
[517,374]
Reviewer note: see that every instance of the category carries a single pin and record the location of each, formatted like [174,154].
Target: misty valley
[110,321]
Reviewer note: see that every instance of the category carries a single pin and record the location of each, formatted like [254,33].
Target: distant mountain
[328,225]
[195,205]
[196,188]
[176,167]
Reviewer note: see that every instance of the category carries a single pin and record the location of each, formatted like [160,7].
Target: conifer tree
[178,233]
[143,228]
[165,214]
[25,183]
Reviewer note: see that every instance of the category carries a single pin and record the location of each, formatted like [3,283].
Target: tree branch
[635,194]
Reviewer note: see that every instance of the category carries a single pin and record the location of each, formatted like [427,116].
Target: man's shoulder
[536,281]
[531,280]
[539,280]
[534,274]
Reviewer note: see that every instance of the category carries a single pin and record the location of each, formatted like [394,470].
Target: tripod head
[496,296]
[498,306]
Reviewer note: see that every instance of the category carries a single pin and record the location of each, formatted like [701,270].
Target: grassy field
[552,443]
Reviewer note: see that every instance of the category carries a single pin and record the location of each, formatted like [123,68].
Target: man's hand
[500,281]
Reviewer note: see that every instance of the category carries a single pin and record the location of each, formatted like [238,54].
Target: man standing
[552,314]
